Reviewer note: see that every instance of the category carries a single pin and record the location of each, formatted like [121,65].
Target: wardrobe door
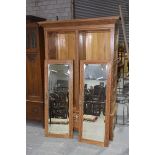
[34,73]
[59,98]
[34,106]
[94,102]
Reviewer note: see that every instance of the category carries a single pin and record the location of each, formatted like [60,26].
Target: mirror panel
[59,98]
[94,101]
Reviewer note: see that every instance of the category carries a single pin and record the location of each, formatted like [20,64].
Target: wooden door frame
[70,62]
[107,112]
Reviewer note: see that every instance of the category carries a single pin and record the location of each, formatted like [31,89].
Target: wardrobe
[34,69]
[80,78]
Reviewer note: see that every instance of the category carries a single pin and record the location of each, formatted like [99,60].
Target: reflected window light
[68,72]
[61,40]
[54,71]
[80,36]
[106,67]
[90,36]
[100,78]
[103,67]
[84,66]
[90,77]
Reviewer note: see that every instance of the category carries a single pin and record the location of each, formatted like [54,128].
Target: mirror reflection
[58,89]
[95,79]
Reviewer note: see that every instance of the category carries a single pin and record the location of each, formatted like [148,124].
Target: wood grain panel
[98,45]
[52,46]
[33,76]
[71,46]
[61,46]
[66,46]
[82,45]
[34,110]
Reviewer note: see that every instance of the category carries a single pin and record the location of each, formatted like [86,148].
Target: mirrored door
[59,98]
[94,102]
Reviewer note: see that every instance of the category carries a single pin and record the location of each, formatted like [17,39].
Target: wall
[102,8]
[49,9]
